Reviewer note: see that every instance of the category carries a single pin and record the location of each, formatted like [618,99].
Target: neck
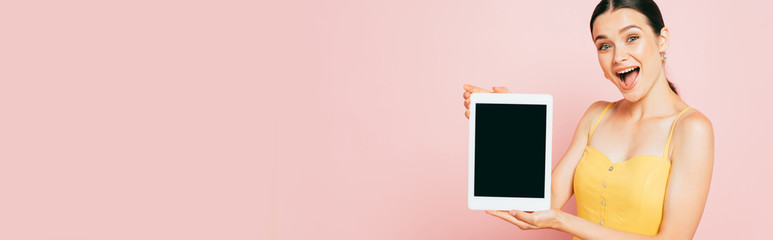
[659,101]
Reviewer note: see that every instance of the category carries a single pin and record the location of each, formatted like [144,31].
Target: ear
[663,39]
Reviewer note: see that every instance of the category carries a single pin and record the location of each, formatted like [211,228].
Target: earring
[663,56]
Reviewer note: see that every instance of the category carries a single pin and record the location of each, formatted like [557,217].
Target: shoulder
[693,137]
[594,112]
[694,125]
[595,109]
[598,106]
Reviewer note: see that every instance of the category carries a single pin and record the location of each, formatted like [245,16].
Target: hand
[469,89]
[527,221]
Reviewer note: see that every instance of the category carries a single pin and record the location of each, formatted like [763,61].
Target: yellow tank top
[627,195]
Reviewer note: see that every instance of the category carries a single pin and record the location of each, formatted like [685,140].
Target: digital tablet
[510,148]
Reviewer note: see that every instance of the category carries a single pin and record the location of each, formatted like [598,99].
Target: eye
[632,38]
[604,47]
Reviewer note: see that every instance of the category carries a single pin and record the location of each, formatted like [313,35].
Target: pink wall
[327,119]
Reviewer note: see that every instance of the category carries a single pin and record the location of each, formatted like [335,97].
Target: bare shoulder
[593,112]
[694,125]
[598,106]
[693,138]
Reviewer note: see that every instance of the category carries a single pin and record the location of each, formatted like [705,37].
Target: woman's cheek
[605,67]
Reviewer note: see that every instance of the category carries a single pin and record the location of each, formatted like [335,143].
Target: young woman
[640,167]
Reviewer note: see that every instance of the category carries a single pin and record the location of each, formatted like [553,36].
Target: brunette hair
[646,7]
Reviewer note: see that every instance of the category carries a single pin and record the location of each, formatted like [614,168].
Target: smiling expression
[629,51]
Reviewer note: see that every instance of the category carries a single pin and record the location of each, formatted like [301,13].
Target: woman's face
[629,51]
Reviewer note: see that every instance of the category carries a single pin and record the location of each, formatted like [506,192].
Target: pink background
[328,119]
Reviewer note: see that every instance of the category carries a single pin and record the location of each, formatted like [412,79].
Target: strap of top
[593,129]
[668,141]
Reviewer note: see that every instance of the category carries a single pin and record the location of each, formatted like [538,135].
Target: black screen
[510,150]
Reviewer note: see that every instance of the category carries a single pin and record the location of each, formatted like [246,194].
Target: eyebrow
[621,31]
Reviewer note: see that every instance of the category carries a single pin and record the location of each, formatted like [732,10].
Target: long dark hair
[646,7]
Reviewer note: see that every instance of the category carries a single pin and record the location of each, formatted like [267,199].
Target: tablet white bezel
[508,203]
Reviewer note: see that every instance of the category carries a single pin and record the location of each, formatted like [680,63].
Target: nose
[621,55]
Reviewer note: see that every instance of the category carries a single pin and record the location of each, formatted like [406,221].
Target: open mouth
[628,77]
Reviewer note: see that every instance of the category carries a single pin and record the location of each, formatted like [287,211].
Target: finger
[467,103]
[467,94]
[494,212]
[474,89]
[467,113]
[512,212]
[523,216]
[504,215]
[501,89]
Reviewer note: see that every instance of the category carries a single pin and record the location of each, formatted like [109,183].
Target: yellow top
[627,195]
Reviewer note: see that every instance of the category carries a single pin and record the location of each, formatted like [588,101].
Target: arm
[562,182]
[692,162]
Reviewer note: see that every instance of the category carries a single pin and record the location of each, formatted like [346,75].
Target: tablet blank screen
[510,150]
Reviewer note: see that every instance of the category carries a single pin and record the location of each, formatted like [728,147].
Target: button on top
[610,168]
[601,222]
[603,203]
[604,185]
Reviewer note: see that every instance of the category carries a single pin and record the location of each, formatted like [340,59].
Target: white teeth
[626,70]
